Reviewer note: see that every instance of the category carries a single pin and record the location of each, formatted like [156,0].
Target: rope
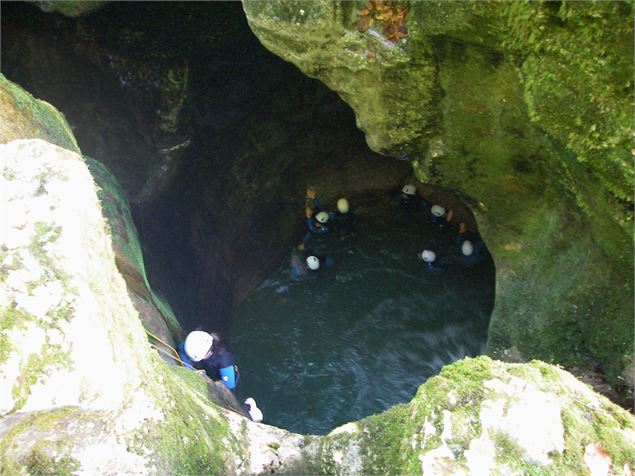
[176,355]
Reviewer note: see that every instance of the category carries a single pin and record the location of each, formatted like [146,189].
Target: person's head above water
[322,217]
[198,345]
[467,248]
[428,256]
[437,210]
[313,263]
[409,190]
[343,206]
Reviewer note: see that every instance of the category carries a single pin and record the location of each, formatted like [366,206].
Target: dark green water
[354,339]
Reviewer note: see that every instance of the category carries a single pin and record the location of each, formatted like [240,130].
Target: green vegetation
[191,439]
[10,318]
[39,463]
[577,65]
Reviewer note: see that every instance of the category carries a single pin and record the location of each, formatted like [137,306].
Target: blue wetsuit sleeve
[228,376]
[183,356]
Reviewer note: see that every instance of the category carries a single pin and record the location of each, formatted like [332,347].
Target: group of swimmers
[469,243]
[206,351]
[321,222]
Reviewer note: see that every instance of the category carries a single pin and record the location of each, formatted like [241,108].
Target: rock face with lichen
[525,109]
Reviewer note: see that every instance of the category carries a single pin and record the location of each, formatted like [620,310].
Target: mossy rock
[156,314]
[479,416]
[24,117]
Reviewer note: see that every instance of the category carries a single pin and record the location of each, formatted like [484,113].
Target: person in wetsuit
[344,218]
[206,351]
[317,219]
[429,257]
[306,262]
[471,246]
[409,197]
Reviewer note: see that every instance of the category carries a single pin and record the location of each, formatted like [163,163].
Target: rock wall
[82,391]
[524,109]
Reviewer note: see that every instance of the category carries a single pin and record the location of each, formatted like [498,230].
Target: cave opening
[227,212]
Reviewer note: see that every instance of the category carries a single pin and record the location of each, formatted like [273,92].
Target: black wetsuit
[343,222]
[220,366]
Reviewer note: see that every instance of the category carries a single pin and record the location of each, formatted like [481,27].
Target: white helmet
[313,262]
[437,210]
[428,256]
[197,344]
[409,189]
[322,217]
[467,248]
[342,205]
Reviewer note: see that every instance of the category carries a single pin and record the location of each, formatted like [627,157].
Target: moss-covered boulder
[525,109]
[480,416]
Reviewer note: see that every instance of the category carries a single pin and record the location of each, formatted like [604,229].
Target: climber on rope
[344,218]
[206,351]
[409,197]
[429,257]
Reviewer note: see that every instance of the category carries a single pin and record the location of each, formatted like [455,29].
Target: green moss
[190,439]
[585,426]
[507,451]
[464,379]
[568,302]
[28,375]
[383,440]
[32,118]
[589,111]
[39,463]
[50,358]
[10,318]
[50,452]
